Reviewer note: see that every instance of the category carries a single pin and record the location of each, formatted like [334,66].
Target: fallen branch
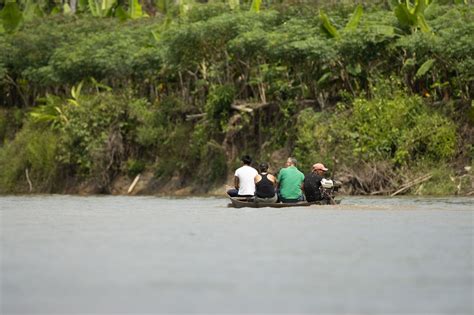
[132,186]
[241,108]
[28,179]
[195,116]
[408,185]
[379,192]
[249,107]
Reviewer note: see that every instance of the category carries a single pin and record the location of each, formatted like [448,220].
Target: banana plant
[233,4]
[164,6]
[51,113]
[412,15]
[101,8]
[184,6]
[350,26]
[134,11]
[255,6]
[424,68]
[11,16]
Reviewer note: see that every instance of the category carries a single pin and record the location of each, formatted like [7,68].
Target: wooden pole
[134,183]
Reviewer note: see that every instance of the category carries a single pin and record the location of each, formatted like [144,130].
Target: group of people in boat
[290,186]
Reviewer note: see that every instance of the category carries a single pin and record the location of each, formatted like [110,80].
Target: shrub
[400,129]
[33,149]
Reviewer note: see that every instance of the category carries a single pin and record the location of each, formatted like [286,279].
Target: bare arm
[257,178]
[236,182]
[272,179]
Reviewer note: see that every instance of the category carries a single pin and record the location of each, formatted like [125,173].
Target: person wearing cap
[312,182]
[265,185]
[290,182]
[244,179]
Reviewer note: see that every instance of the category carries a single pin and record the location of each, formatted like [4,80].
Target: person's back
[265,185]
[290,181]
[312,182]
[246,175]
[244,180]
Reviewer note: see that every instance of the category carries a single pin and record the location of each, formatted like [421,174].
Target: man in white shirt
[244,179]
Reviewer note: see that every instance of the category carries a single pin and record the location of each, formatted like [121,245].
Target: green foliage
[255,5]
[203,12]
[413,15]
[218,104]
[94,133]
[350,26]
[149,74]
[101,8]
[400,129]
[443,181]
[115,55]
[33,149]
[59,51]
[11,17]
[134,167]
[3,125]
[212,167]
[51,113]
[134,11]
[313,137]
[424,68]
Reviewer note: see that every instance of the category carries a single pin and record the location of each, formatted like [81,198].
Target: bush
[400,129]
[33,149]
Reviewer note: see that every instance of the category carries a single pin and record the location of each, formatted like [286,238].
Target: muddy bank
[364,182]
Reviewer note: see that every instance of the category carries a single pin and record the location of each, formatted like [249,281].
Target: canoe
[247,202]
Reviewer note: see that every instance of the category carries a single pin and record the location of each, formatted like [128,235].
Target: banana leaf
[327,25]
[355,19]
[82,5]
[135,10]
[424,68]
[32,10]
[121,14]
[255,6]
[11,17]
[424,27]
[67,9]
[405,16]
[94,8]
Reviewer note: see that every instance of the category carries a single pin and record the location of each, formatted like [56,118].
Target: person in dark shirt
[265,185]
[312,182]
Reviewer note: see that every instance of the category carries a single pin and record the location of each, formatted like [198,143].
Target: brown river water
[137,255]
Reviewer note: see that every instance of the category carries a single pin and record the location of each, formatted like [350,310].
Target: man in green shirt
[290,182]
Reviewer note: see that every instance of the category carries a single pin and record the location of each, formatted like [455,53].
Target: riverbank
[146,184]
[88,103]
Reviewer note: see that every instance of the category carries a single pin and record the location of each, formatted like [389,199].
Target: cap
[319,166]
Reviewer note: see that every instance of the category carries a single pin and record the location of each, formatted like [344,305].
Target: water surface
[68,254]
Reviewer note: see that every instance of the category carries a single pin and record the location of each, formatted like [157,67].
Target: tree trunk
[73,5]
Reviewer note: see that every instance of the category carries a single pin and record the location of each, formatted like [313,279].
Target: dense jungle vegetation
[379,91]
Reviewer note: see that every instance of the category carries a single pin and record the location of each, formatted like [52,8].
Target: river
[116,254]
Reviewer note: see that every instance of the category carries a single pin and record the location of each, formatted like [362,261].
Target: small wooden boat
[250,203]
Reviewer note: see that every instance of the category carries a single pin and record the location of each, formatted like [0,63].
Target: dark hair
[246,159]
[263,167]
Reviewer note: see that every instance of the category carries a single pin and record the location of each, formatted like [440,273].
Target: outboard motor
[328,189]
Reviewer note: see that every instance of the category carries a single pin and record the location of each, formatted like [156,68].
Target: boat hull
[247,203]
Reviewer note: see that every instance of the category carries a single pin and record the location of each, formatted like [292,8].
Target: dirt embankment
[367,179]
